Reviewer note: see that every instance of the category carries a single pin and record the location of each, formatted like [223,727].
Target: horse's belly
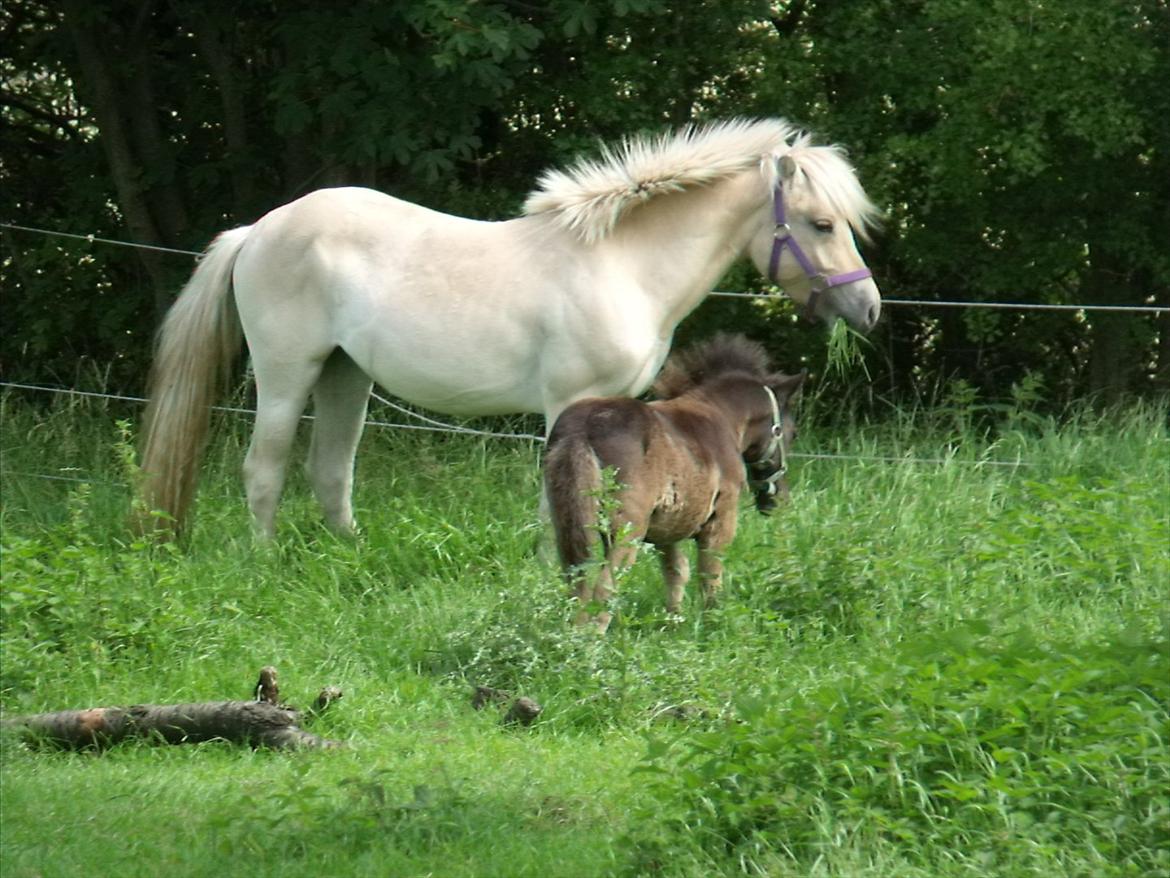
[679,514]
[459,376]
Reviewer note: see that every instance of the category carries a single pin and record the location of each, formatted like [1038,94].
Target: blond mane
[591,197]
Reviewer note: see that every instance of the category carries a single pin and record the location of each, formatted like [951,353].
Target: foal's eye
[825,226]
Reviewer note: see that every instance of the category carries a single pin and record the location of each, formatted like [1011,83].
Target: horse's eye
[825,226]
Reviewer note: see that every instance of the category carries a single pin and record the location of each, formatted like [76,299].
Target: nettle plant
[1010,748]
[71,589]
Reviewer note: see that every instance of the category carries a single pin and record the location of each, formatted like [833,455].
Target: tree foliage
[1019,148]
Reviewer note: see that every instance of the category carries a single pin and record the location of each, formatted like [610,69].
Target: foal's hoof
[600,621]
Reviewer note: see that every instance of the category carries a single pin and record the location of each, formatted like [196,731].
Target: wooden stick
[260,723]
[248,722]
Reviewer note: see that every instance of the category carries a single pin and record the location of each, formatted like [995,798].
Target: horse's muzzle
[769,490]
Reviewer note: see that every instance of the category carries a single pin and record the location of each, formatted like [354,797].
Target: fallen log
[258,723]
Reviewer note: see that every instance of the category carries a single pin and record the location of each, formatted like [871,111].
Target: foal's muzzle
[767,483]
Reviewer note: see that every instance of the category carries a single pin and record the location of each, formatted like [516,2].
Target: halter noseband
[782,237]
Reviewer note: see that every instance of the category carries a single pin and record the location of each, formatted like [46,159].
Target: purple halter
[783,236]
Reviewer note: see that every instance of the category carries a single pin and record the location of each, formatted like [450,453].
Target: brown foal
[679,464]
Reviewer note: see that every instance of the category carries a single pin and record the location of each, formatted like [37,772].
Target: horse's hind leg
[340,398]
[628,531]
[282,389]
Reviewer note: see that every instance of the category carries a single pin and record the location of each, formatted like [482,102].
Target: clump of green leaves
[1008,750]
[65,593]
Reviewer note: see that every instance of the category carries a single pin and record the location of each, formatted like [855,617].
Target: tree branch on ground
[259,723]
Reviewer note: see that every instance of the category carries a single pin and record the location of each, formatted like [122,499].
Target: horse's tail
[196,346]
[573,482]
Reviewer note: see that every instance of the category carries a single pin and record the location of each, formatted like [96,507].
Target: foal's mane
[718,355]
[591,197]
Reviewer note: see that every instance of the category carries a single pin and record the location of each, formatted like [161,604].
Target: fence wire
[431,425]
[920,303]
[434,426]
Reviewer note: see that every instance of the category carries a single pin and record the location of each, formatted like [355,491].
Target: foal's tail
[196,346]
[572,482]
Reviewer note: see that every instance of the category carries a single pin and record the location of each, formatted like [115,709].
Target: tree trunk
[164,199]
[103,91]
[1113,360]
[131,139]
[1162,349]
[228,78]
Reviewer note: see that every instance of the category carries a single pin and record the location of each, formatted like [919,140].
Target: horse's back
[672,460]
[622,432]
[617,430]
[409,293]
[332,222]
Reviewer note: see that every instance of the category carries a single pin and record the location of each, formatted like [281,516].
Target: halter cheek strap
[777,439]
[782,237]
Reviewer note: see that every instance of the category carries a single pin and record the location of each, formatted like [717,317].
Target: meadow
[948,655]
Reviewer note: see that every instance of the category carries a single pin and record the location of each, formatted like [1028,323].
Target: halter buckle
[782,232]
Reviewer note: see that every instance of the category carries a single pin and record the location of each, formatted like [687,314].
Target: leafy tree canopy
[1019,149]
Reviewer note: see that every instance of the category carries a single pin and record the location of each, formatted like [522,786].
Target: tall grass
[946,668]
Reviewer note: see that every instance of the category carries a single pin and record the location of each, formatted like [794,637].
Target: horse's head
[770,436]
[806,244]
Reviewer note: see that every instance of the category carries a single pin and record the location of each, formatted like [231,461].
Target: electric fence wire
[922,303]
[434,426]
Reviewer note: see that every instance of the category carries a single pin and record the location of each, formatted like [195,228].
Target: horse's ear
[788,385]
[787,166]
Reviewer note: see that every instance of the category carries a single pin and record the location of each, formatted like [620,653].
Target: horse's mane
[722,353]
[592,196]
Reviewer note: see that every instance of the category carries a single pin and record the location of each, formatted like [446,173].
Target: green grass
[944,669]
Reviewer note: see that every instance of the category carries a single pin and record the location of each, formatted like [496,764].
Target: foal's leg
[629,529]
[282,389]
[595,586]
[715,536]
[711,574]
[340,397]
[676,570]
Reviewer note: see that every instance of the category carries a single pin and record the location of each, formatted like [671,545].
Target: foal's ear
[788,385]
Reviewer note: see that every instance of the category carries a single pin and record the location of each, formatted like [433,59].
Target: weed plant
[951,668]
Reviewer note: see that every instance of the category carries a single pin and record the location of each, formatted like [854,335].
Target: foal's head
[767,456]
[735,370]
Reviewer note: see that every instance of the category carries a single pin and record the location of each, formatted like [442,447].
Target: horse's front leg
[713,538]
[710,574]
[676,570]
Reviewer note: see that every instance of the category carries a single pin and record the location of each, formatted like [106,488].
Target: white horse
[577,298]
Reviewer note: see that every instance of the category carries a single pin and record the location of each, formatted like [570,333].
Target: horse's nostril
[871,316]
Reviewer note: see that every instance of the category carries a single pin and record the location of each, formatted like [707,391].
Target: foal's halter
[782,237]
[768,484]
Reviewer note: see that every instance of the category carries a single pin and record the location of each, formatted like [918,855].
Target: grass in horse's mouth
[844,349]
